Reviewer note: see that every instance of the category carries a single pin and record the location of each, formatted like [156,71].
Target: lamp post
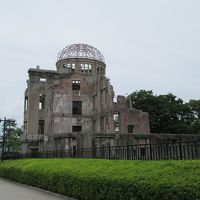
[4,134]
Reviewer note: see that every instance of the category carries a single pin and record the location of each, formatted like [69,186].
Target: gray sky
[152,45]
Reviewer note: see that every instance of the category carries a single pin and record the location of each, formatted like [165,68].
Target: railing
[164,151]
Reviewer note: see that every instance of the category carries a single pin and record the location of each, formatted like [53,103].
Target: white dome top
[80,51]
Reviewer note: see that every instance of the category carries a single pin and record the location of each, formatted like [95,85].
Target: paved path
[15,191]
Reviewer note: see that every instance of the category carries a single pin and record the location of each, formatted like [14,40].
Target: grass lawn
[93,179]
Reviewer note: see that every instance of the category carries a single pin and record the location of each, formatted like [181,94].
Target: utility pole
[4,134]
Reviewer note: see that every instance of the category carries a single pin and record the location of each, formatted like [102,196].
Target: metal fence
[163,151]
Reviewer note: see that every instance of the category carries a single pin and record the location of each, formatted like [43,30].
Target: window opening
[90,68]
[94,101]
[41,127]
[77,108]
[76,128]
[130,128]
[101,70]
[42,102]
[26,103]
[68,66]
[43,79]
[86,68]
[75,85]
[82,67]
[116,118]
[94,125]
[73,67]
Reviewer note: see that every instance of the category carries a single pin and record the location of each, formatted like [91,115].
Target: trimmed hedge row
[89,179]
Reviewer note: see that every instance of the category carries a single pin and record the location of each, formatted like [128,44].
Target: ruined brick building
[73,107]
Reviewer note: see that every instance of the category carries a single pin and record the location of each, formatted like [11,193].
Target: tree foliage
[168,113]
[12,136]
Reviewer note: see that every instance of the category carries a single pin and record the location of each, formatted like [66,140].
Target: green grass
[109,179]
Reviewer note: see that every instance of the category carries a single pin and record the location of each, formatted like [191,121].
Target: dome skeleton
[80,51]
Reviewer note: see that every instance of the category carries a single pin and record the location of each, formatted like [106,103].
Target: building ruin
[72,106]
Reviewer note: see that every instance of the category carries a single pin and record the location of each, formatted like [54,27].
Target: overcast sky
[152,44]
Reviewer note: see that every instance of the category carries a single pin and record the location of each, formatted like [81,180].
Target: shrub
[89,179]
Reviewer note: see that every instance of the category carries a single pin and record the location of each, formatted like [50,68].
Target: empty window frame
[65,66]
[101,70]
[76,107]
[41,127]
[82,67]
[70,66]
[90,68]
[42,102]
[130,128]
[43,79]
[97,69]
[75,85]
[94,100]
[26,103]
[87,68]
[116,118]
[94,125]
[73,67]
[76,128]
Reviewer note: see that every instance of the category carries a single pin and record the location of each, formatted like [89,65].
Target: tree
[195,109]
[12,137]
[14,140]
[167,113]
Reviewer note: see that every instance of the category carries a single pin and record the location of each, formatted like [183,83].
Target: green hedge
[90,179]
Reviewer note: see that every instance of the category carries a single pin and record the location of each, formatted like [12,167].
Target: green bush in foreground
[90,179]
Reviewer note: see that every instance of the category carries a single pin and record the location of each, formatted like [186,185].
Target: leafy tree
[14,139]
[167,113]
[195,109]
[12,136]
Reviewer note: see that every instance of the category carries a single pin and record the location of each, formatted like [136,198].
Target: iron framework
[80,51]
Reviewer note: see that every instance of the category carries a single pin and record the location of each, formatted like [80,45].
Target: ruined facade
[72,107]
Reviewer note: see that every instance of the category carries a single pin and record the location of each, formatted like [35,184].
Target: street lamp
[4,132]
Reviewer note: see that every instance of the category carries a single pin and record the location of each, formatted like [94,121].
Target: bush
[89,179]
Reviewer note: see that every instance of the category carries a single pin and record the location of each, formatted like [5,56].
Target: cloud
[146,44]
